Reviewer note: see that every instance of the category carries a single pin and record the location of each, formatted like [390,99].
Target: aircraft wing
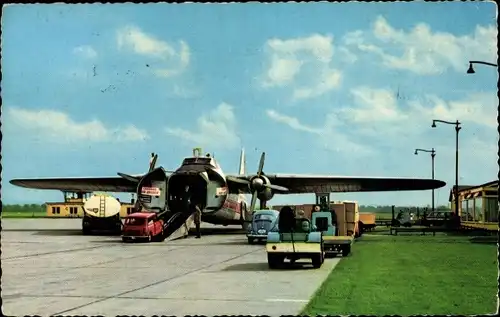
[301,184]
[79,184]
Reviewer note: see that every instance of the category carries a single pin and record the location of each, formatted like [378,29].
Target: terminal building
[477,205]
[72,206]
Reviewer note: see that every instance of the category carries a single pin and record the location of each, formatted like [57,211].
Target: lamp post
[433,154]
[457,129]
[471,69]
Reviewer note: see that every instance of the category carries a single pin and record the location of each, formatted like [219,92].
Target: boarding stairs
[177,226]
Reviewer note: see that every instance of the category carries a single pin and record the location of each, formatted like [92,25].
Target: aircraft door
[152,190]
[217,193]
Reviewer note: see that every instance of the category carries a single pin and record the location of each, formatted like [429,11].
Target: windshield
[135,221]
[263,217]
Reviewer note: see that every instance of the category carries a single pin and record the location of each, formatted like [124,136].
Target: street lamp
[433,154]
[457,128]
[471,69]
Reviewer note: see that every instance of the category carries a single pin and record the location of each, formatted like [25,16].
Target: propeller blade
[153,163]
[131,178]
[252,204]
[261,164]
[276,187]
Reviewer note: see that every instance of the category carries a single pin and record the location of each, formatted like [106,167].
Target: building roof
[467,187]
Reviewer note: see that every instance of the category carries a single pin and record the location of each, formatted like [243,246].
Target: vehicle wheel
[124,239]
[250,240]
[150,238]
[317,260]
[346,250]
[86,231]
[274,260]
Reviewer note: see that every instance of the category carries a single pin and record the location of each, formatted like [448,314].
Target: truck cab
[325,221]
[142,226]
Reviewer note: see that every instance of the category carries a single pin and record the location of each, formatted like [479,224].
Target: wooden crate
[352,211]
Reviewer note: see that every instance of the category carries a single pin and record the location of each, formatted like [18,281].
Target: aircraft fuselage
[198,182]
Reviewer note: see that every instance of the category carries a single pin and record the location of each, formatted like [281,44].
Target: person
[316,208]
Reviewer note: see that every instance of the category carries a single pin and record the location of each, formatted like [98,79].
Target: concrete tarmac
[49,268]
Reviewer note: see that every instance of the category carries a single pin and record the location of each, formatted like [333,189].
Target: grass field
[23,214]
[411,275]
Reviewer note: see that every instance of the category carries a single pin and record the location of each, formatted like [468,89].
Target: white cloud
[85,51]
[59,127]
[422,50]
[291,121]
[217,129]
[376,115]
[326,136]
[172,61]
[300,61]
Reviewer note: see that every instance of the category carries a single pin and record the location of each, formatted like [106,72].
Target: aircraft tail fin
[242,169]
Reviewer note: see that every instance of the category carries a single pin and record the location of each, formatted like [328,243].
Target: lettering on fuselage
[232,205]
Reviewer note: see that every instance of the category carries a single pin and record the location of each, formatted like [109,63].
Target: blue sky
[327,88]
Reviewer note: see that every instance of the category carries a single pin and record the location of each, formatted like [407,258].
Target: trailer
[101,213]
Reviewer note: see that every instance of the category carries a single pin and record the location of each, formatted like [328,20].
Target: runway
[49,268]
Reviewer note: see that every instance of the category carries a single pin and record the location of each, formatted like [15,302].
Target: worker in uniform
[315,209]
[194,209]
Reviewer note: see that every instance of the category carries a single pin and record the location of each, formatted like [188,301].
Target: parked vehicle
[101,213]
[263,221]
[294,240]
[142,226]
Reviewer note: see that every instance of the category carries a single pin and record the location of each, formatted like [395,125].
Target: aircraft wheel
[317,260]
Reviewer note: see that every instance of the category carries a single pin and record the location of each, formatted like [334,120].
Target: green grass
[411,275]
[23,214]
[383,216]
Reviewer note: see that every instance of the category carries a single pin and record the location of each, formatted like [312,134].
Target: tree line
[14,208]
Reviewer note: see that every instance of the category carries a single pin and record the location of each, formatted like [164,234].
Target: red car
[142,226]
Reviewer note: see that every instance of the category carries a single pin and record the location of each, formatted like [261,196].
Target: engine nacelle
[258,184]
[266,194]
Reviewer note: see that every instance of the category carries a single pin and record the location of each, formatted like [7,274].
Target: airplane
[199,182]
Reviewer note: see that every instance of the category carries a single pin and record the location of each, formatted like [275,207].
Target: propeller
[152,162]
[257,183]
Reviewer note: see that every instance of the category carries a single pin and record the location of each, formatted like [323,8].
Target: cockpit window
[197,161]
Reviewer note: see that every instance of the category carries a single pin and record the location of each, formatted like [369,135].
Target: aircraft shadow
[216,231]
[48,232]
[70,232]
[263,266]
